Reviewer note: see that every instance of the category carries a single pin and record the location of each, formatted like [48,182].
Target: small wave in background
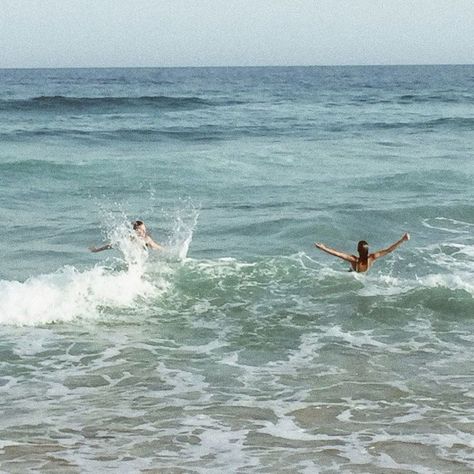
[64,104]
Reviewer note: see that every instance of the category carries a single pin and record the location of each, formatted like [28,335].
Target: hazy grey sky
[67,33]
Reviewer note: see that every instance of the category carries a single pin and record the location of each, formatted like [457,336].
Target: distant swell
[201,133]
[447,98]
[59,102]
[216,132]
[459,123]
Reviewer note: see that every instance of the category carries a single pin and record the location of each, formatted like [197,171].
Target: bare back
[361,266]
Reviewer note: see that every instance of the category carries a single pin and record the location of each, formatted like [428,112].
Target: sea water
[241,347]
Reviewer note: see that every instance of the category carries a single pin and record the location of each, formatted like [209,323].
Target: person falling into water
[365,259]
[141,236]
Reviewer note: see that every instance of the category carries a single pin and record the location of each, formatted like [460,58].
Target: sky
[161,33]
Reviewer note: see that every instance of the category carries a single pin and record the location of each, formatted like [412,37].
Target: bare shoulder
[152,244]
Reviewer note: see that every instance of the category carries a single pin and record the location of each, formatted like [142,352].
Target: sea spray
[177,224]
[184,222]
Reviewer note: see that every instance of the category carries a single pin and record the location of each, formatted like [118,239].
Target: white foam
[454,274]
[448,225]
[356,339]
[286,428]
[68,294]
[459,281]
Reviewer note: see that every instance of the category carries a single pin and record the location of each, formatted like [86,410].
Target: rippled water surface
[241,347]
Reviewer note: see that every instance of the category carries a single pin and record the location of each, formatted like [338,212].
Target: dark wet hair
[363,249]
[136,224]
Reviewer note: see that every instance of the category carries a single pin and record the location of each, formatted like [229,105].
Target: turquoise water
[241,348]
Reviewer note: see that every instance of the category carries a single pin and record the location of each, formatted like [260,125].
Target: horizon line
[236,66]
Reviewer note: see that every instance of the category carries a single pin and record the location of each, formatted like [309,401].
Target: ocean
[240,347]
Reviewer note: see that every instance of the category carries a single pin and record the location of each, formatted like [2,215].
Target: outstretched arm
[336,253]
[99,249]
[152,244]
[383,252]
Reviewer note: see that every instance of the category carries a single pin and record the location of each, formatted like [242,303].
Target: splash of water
[68,293]
[185,222]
